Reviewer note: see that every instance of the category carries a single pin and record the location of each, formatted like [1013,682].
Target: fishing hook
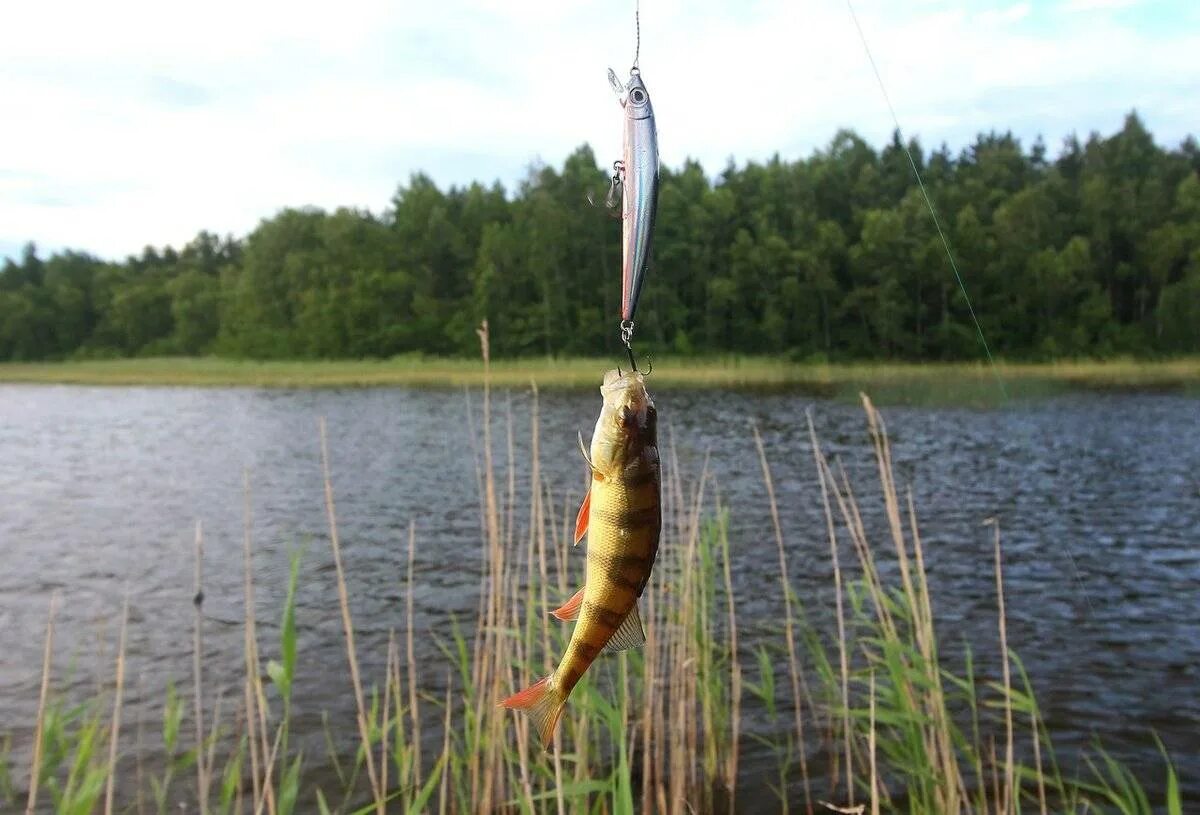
[627,339]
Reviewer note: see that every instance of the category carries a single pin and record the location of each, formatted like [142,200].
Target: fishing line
[928,201]
[637,25]
[862,37]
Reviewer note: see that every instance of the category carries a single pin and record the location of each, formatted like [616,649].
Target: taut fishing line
[862,37]
[637,29]
[928,201]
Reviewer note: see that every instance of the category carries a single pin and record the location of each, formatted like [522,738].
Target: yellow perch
[622,517]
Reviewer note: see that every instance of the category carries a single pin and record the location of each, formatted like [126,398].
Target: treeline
[1093,252]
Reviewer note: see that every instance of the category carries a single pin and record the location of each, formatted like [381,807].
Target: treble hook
[627,339]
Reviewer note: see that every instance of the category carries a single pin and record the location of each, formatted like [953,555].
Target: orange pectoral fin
[581,520]
[570,609]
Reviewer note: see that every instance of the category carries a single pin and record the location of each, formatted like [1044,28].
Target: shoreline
[975,380]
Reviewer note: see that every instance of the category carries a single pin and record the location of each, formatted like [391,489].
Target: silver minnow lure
[638,175]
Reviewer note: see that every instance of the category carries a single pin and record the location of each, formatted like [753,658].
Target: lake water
[1098,499]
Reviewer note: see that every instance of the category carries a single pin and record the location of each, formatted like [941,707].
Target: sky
[131,123]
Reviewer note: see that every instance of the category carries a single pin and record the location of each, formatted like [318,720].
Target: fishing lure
[636,176]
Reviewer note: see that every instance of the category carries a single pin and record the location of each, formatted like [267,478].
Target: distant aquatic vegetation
[887,382]
[872,720]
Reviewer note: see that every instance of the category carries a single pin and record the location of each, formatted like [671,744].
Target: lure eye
[638,96]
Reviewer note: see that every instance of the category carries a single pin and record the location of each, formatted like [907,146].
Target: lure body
[640,188]
[622,518]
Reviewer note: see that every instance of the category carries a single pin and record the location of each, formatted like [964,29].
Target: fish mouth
[618,380]
[624,388]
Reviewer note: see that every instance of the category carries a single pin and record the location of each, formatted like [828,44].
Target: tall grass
[866,718]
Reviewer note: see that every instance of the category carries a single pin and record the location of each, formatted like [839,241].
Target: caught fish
[621,517]
[637,174]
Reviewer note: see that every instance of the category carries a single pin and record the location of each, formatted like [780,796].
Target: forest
[1090,253]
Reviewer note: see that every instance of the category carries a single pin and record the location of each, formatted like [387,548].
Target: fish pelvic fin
[543,703]
[569,610]
[629,635]
[581,520]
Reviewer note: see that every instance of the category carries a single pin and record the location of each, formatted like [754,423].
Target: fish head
[637,99]
[628,421]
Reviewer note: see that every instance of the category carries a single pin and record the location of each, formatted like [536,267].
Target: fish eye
[638,96]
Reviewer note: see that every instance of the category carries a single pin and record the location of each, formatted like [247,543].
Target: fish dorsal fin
[581,520]
[569,610]
[630,633]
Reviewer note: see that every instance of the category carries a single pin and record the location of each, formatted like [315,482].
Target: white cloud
[137,122]
[1098,5]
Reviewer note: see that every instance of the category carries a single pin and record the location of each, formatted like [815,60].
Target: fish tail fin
[543,703]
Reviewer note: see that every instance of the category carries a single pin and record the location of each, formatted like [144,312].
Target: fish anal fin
[543,704]
[630,633]
[570,610]
[581,520]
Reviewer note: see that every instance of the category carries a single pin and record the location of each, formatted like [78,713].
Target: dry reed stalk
[139,801]
[930,700]
[537,557]
[561,537]
[871,750]
[479,653]
[251,738]
[115,729]
[268,782]
[512,614]
[735,679]
[788,624]
[509,520]
[533,608]
[660,679]
[347,623]
[239,729]
[936,732]
[996,793]
[387,703]
[677,749]
[403,774]
[848,508]
[537,512]
[216,728]
[1037,761]
[523,739]
[852,518]
[649,667]
[884,463]
[941,725]
[36,766]
[582,760]
[1009,800]
[444,786]
[691,594]
[413,701]
[249,644]
[197,662]
[486,655]
[843,659]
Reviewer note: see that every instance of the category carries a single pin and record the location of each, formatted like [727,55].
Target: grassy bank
[872,718]
[887,382]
